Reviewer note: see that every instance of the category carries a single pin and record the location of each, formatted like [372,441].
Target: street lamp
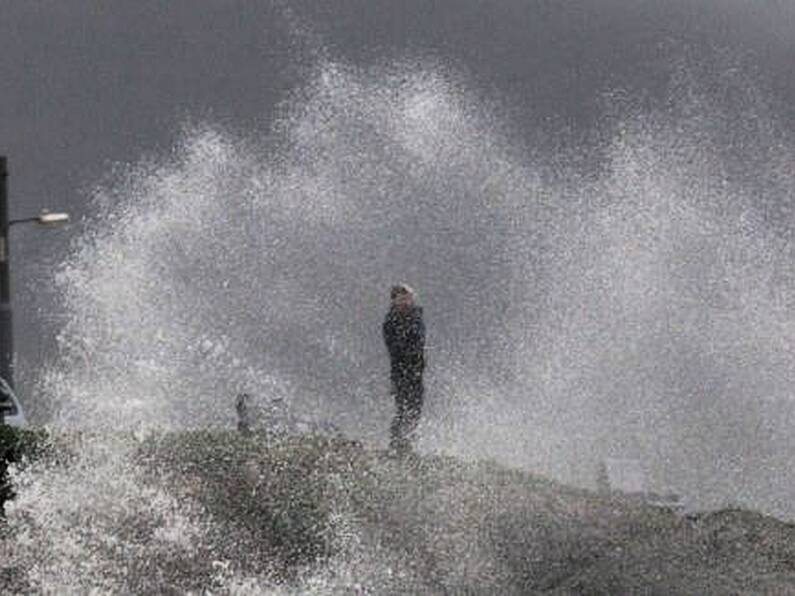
[45,218]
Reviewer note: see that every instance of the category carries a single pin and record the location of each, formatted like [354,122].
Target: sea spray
[599,298]
[93,525]
[637,305]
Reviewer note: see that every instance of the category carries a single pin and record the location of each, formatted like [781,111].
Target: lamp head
[47,218]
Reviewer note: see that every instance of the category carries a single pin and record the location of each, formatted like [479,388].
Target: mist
[626,295]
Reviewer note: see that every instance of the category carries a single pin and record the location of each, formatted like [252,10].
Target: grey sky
[88,84]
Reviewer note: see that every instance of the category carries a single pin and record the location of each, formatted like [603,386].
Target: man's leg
[413,406]
[402,423]
[396,428]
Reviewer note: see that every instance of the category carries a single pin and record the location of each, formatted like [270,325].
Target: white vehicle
[10,408]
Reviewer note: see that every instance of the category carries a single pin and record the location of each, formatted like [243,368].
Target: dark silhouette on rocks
[404,336]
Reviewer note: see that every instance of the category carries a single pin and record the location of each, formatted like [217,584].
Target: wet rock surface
[313,514]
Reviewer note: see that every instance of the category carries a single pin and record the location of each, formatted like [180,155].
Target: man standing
[404,335]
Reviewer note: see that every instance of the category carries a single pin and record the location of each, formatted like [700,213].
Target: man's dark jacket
[404,335]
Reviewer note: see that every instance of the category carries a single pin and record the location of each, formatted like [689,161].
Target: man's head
[402,297]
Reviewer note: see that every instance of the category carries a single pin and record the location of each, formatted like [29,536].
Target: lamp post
[45,218]
[6,337]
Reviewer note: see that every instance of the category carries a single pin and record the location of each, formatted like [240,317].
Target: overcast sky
[88,84]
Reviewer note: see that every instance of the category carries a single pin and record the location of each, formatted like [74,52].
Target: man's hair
[399,289]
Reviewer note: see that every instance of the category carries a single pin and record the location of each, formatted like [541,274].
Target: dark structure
[44,218]
[404,336]
[243,414]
